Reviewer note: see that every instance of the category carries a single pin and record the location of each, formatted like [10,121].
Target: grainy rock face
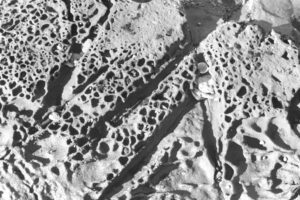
[253,113]
[157,99]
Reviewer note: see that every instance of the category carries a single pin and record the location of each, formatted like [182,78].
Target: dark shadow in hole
[294,112]
[69,13]
[232,131]
[255,127]
[253,143]
[108,5]
[143,156]
[252,192]
[144,90]
[276,181]
[229,172]
[236,157]
[276,103]
[55,88]
[273,133]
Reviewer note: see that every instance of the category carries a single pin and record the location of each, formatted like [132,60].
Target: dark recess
[228,172]
[253,143]
[108,5]
[166,127]
[232,129]
[55,88]
[69,14]
[145,89]
[294,112]
[276,103]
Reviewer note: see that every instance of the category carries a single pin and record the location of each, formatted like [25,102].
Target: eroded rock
[147,100]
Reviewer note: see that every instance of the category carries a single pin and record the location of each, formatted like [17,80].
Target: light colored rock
[141,99]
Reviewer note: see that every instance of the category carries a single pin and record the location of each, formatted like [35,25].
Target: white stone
[86,45]
[54,117]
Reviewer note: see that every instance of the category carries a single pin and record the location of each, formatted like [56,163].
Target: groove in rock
[54,91]
[108,5]
[144,90]
[210,143]
[166,127]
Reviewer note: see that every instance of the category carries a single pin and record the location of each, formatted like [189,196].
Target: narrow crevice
[174,53]
[91,79]
[293,116]
[69,13]
[296,194]
[93,30]
[235,156]
[251,190]
[231,132]
[141,159]
[55,87]
[143,91]
[163,170]
[210,142]
[238,189]
[142,191]
[54,91]
[274,134]
[108,5]
[276,182]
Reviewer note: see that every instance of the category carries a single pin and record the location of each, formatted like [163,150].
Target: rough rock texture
[254,117]
[280,15]
[141,99]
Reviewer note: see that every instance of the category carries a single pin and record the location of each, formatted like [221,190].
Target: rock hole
[242,91]
[276,103]
[285,55]
[18,172]
[264,90]
[103,147]
[235,154]
[78,157]
[228,118]
[228,172]
[230,109]
[109,176]
[55,170]
[123,160]
[253,143]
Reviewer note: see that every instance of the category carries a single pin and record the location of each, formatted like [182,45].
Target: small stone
[86,45]
[203,68]
[54,117]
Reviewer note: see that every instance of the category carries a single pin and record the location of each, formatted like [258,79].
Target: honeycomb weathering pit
[149,99]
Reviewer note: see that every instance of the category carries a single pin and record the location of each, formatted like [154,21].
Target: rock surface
[149,99]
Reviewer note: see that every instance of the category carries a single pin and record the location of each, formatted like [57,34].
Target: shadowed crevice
[108,4]
[69,13]
[144,89]
[210,142]
[54,91]
[294,112]
[142,158]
